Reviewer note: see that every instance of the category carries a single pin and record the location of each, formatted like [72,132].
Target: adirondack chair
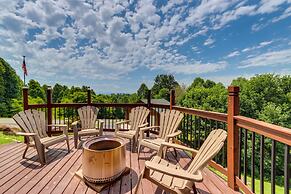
[173,178]
[34,127]
[168,129]
[88,118]
[137,119]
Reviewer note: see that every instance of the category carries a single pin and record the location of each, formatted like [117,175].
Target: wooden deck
[19,175]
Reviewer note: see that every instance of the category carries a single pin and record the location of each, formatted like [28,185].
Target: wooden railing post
[232,137]
[49,109]
[172,99]
[25,97]
[89,96]
[149,97]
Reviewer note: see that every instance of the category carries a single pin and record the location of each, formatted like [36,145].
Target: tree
[142,91]
[35,90]
[166,82]
[163,94]
[10,88]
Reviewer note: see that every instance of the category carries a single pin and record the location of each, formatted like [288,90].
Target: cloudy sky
[114,46]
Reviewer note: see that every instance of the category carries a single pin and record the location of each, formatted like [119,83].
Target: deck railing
[246,139]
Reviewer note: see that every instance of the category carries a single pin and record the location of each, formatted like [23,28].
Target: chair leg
[194,189]
[67,140]
[176,154]
[76,140]
[138,150]
[23,156]
[138,182]
[41,153]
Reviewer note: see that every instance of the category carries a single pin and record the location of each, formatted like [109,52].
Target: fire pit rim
[103,138]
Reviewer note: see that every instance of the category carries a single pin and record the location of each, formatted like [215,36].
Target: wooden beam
[232,137]
[49,109]
[89,96]
[25,98]
[172,99]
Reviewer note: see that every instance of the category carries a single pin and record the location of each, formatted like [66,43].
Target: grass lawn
[267,185]
[4,139]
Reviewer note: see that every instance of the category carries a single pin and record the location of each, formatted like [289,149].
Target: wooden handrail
[275,132]
[202,113]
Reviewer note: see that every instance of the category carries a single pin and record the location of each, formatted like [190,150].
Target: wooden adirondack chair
[173,178]
[33,123]
[137,119]
[88,118]
[168,129]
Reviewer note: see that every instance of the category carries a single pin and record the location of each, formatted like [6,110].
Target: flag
[24,66]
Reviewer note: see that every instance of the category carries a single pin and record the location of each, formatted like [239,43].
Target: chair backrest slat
[32,121]
[208,150]
[138,116]
[169,122]
[88,116]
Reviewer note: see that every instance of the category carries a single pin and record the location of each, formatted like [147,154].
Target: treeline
[265,97]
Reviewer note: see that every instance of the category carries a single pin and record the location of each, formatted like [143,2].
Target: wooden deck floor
[19,175]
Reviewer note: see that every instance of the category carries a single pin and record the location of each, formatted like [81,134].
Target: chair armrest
[143,125]
[57,125]
[177,146]
[25,134]
[142,130]
[179,173]
[148,128]
[172,135]
[122,122]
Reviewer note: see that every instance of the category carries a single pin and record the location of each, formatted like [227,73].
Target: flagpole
[24,71]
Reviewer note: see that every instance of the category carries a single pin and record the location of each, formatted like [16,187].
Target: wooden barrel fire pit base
[103,159]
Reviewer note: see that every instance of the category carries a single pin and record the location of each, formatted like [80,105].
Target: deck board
[19,175]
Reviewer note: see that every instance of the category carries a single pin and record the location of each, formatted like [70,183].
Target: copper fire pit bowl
[103,159]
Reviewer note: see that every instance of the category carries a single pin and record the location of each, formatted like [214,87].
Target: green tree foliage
[142,91]
[164,81]
[206,95]
[35,90]
[10,85]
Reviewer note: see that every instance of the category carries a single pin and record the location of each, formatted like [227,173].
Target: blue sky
[114,46]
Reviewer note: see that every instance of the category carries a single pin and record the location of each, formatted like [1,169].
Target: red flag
[24,67]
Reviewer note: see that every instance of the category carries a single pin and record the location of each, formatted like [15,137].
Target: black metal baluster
[286,169]
[199,135]
[239,153]
[273,167]
[253,161]
[245,155]
[184,132]
[195,135]
[262,146]
[191,132]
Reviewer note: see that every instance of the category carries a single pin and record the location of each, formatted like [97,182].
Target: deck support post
[25,107]
[172,99]
[89,96]
[49,109]
[149,97]
[232,137]
[25,97]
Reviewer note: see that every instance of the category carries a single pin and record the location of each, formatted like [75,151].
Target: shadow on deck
[19,175]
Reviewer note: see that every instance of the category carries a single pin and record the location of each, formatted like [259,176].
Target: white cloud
[269,6]
[194,68]
[273,58]
[260,45]
[209,41]
[285,14]
[233,54]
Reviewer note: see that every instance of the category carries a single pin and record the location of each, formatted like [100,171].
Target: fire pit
[103,159]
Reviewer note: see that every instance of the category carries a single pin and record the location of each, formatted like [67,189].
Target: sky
[114,46]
